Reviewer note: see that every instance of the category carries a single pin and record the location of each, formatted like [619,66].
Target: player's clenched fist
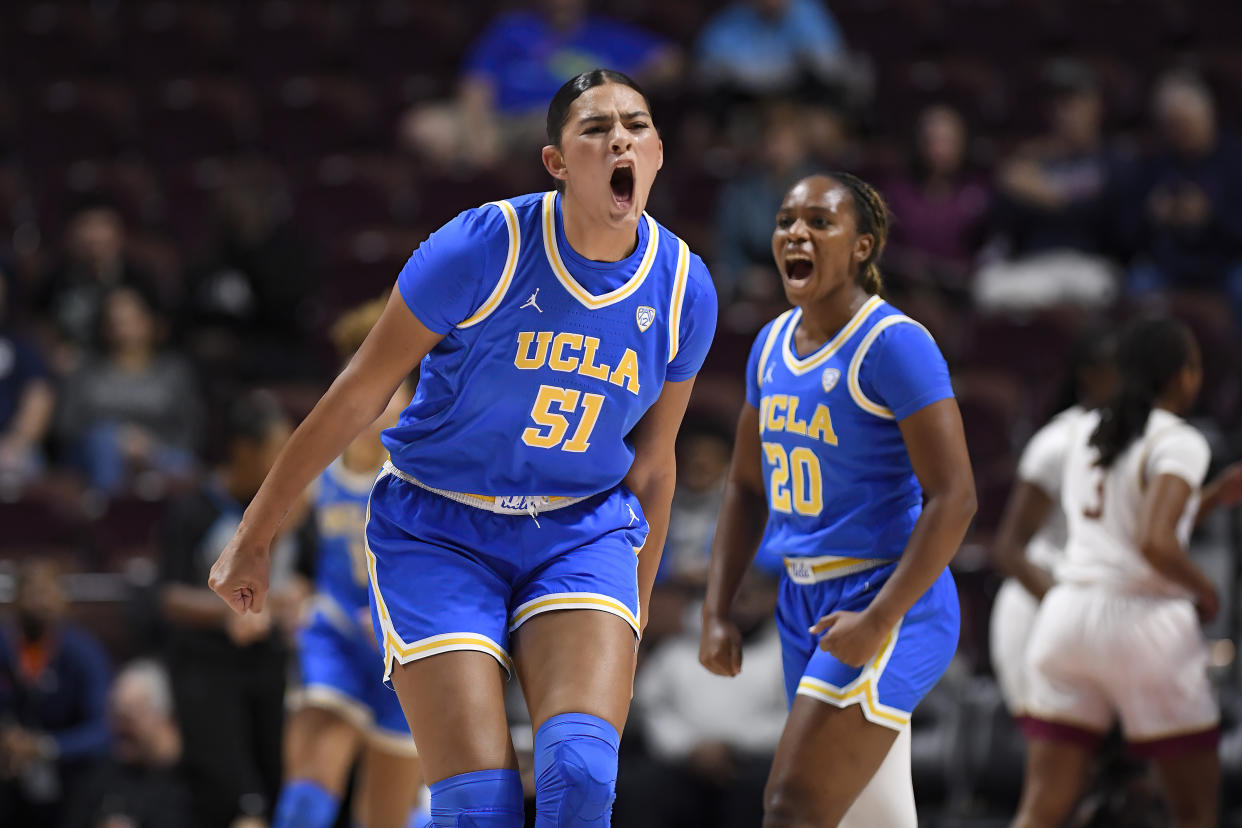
[240,575]
[720,648]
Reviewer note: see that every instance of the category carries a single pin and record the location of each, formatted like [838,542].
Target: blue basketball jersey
[548,359]
[341,579]
[837,474]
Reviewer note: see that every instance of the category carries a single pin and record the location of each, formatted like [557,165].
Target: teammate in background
[535,460]
[340,711]
[1031,538]
[850,425]
[1118,636]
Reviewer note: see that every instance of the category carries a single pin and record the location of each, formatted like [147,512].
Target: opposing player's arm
[396,344]
[1025,512]
[653,476]
[936,444]
[1163,505]
[743,513]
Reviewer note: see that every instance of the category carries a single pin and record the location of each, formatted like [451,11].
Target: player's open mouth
[622,183]
[798,269]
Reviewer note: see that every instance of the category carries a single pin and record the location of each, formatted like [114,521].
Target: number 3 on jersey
[806,495]
[553,425]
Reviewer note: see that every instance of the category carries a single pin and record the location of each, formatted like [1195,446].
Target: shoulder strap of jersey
[506,275]
[679,298]
[774,335]
[856,362]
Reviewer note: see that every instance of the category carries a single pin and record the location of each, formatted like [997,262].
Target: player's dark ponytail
[871,216]
[1151,352]
[558,109]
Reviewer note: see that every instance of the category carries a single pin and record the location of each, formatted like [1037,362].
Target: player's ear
[660,162]
[554,162]
[863,246]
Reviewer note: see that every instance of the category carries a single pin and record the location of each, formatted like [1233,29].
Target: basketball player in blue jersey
[851,443]
[340,713]
[519,523]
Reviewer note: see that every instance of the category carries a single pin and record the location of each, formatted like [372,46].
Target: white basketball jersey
[1103,506]
[1043,466]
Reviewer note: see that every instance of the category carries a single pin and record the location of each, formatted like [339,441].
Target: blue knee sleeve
[479,799]
[575,771]
[305,804]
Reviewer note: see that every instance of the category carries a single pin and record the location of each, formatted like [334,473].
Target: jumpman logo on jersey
[767,376]
[531,303]
[633,517]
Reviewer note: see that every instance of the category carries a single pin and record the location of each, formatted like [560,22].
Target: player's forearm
[349,406]
[935,540]
[743,513]
[655,494]
[1170,560]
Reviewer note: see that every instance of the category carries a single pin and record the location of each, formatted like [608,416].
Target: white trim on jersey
[679,298]
[856,391]
[506,275]
[800,366]
[588,299]
[774,335]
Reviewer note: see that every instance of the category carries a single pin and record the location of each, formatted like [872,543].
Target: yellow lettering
[558,362]
[763,414]
[626,374]
[779,488]
[776,422]
[821,426]
[523,359]
[587,367]
[793,424]
[552,426]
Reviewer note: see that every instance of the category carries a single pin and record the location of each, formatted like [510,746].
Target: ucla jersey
[548,359]
[838,478]
[341,574]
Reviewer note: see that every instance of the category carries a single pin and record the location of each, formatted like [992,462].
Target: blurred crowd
[192,192]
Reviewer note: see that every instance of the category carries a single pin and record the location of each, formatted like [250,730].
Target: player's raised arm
[357,396]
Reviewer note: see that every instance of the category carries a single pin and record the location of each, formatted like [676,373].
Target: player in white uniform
[1031,538]
[1118,637]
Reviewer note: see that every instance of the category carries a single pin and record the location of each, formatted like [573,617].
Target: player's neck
[822,320]
[595,240]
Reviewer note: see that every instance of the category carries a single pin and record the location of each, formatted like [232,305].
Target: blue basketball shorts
[461,572]
[339,674]
[910,661]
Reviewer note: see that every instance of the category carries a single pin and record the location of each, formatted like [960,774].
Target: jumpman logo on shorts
[633,517]
[531,303]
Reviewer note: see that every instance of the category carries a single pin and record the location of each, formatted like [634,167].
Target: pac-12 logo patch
[645,316]
[831,375]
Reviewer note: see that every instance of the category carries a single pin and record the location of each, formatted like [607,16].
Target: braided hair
[871,216]
[1151,352]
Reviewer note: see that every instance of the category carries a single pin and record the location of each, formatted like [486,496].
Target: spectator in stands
[140,784]
[131,408]
[743,261]
[515,67]
[228,670]
[711,739]
[53,700]
[252,298]
[26,397]
[760,48]
[703,454]
[1186,199]
[940,206]
[1056,206]
[70,296]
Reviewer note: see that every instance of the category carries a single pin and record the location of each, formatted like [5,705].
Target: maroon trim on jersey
[1050,731]
[1175,745]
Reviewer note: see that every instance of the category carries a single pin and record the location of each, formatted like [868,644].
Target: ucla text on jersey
[548,359]
[836,470]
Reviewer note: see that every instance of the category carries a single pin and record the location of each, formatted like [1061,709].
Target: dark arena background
[193,194]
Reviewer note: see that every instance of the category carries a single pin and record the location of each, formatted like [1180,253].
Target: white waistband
[501,504]
[828,567]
